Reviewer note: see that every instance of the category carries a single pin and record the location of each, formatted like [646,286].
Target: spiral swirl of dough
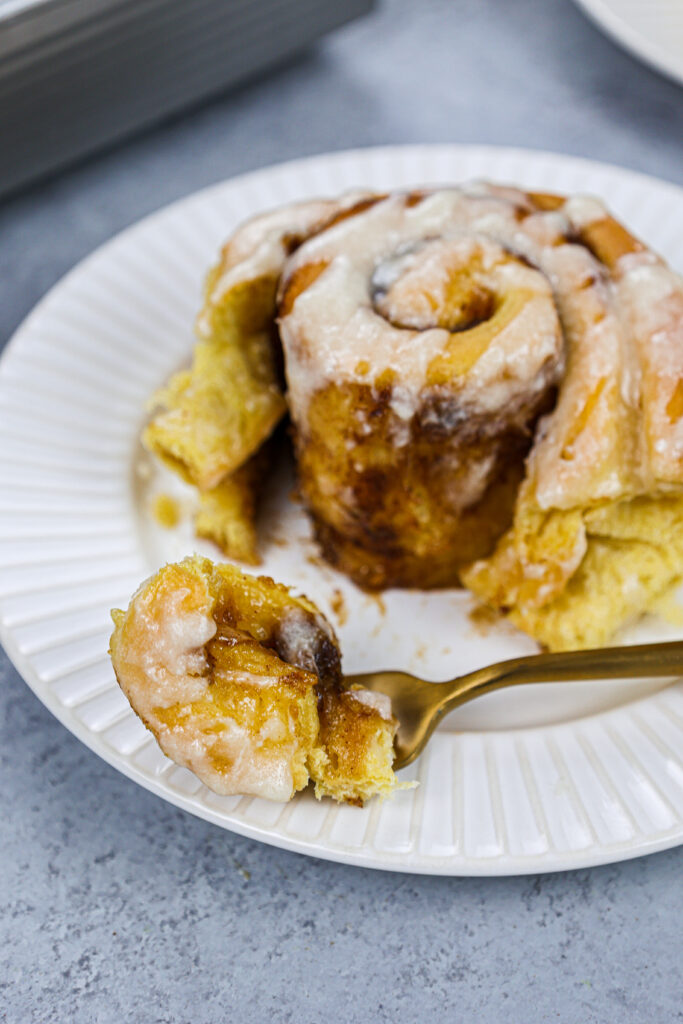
[422,340]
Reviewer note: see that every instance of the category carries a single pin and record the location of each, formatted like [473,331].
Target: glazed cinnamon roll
[484,386]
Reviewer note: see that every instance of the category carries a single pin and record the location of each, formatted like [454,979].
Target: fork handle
[663,659]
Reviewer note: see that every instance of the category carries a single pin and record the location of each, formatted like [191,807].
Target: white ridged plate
[537,780]
[650,29]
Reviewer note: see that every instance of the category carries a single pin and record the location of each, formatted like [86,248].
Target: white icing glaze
[582,211]
[625,333]
[254,769]
[174,660]
[258,248]
[380,702]
[651,306]
[571,465]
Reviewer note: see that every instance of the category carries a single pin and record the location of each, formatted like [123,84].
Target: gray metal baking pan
[76,75]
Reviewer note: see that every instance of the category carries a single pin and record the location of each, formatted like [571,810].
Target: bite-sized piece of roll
[597,536]
[239,679]
[196,655]
[421,343]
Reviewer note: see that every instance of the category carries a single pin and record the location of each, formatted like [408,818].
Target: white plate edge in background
[618,25]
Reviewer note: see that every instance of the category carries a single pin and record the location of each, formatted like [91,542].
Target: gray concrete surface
[117,907]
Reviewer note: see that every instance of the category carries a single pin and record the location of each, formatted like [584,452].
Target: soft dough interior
[631,556]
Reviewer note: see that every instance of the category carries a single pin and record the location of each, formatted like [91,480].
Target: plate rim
[463,865]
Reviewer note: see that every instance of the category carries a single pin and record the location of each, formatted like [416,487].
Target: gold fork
[420,705]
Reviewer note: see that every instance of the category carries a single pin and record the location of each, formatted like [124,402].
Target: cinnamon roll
[484,387]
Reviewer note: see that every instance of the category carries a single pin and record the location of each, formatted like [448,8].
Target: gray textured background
[117,907]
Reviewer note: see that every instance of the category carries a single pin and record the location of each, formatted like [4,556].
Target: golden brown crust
[609,241]
[606,238]
[411,535]
[210,422]
[546,201]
